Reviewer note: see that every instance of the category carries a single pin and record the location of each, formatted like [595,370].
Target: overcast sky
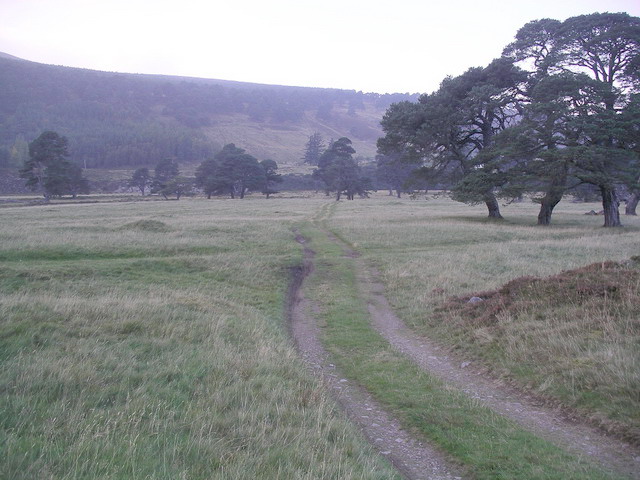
[369,45]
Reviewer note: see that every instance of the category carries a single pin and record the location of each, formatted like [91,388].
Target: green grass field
[148,340]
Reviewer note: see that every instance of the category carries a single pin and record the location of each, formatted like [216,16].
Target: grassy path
[487,444]
[412,458]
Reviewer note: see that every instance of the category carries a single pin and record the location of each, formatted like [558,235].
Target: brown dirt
[586,285]
[412,458]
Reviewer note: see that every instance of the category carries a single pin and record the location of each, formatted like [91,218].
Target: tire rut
[414,460]
[549,423]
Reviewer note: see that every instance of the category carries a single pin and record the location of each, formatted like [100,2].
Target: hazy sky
[369,45]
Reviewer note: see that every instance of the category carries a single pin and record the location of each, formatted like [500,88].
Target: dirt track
[545,422]
[411,457]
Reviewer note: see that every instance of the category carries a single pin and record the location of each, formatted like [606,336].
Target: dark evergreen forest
[126,120]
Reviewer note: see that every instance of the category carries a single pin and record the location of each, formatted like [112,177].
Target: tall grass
[146,340]
[582,354]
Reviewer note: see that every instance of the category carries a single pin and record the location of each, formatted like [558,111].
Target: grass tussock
[147,226]
[574,335]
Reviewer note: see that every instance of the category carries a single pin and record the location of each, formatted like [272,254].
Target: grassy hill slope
[117,120]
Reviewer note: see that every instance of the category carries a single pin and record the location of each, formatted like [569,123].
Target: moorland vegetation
[152,344]
[118,120]
[148,339]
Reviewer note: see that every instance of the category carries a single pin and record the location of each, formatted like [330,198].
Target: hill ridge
[115,119]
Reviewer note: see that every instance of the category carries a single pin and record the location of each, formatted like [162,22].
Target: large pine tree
[313,149]
[49,170]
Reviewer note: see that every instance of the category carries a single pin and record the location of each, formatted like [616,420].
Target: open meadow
[149,339]
[575,340]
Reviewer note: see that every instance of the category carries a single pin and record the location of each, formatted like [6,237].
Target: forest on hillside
[126,120]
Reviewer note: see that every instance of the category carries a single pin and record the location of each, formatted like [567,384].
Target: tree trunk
[546,209]
[399,192]
[492,205]
[632,203]
[550,200]
[610,205]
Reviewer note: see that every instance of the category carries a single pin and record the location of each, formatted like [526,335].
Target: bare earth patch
[575,334]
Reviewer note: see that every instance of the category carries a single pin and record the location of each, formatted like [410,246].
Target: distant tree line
[231,172]
[559,110]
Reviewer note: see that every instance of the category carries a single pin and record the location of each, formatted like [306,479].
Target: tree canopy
[49,170]
[165,172]
[271,176]
[207,177]
[313,149]
[339,171]
[141,179]
[238,171]
[234,172]
[556,111]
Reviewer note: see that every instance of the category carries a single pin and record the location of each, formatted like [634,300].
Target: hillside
[116,120]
